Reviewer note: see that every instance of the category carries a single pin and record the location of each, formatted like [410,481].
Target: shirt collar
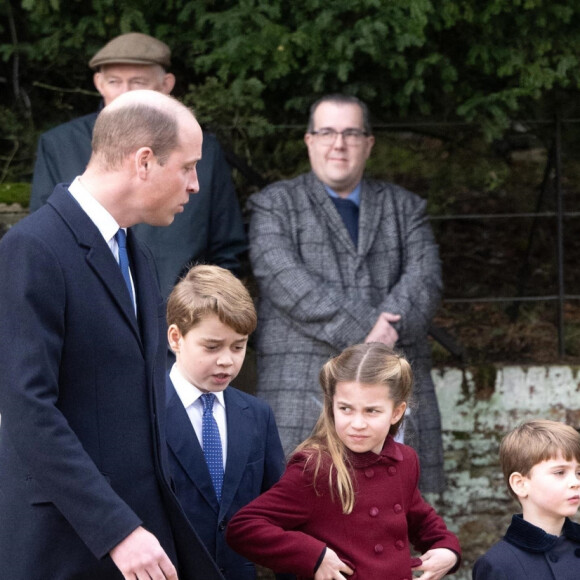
[187,392]
[104,221]
[354,196]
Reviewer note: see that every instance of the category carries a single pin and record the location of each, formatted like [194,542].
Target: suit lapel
[184,444]
[98,254]
[146,295]
[239,442]
[372,210]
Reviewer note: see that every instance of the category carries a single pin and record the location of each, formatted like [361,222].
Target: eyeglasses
[349,136]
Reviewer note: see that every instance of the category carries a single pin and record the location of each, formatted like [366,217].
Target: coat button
[369,472]
[379,549]
[400,545]
[397,508]
[553,558]
[374,512]
[392,470]
[222,525]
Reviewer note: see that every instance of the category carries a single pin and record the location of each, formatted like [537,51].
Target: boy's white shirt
[190,397]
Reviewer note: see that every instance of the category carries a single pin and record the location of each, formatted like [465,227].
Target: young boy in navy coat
[226,451]
[541,465]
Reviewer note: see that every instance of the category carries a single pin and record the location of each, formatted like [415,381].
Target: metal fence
[549,212]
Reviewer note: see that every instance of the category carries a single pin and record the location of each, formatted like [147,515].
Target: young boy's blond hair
[533,442]
[211,290]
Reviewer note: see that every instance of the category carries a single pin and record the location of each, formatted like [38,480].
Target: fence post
[560,236]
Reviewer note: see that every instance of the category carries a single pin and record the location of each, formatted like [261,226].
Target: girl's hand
[331,567]
[436,563]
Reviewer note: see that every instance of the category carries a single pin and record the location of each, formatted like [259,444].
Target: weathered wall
[478,406]
[10,214]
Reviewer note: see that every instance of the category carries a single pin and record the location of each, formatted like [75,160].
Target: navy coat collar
[526,536]
[100,258]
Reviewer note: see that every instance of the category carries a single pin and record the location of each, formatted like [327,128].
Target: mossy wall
[478,406]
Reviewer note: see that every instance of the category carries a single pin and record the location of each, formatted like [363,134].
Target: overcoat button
[369,472]
[374,512]
[399,544]
[392,470]
[397,508]
[379,549]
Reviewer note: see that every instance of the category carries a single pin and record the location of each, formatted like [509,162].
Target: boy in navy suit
[224,444]
[541,465]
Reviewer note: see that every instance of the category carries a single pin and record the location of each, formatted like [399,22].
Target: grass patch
[15,193]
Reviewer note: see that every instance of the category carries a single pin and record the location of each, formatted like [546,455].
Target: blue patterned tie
[212,445]
[348,211]
[121,238]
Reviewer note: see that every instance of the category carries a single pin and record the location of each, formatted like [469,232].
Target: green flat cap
[133,48]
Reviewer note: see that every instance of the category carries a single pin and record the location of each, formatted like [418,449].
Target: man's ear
[174,337]
[168,83]
[143,161]
[519,484]
[98,81]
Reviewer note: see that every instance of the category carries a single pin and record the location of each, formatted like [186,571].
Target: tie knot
[121,238]
[207,399]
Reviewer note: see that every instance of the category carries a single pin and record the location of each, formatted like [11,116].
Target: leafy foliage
[249,65]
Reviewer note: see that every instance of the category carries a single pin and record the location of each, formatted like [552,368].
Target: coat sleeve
[33,318]
[226,232]
[319,309]
[417,293]
[485,569]
[427,530]
[266,530]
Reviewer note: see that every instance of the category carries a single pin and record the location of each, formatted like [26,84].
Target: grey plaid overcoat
[320,294]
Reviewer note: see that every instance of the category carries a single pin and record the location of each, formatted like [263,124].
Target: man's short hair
[533,442]
[133,48]
[209,290]
[120,131]
[341,99]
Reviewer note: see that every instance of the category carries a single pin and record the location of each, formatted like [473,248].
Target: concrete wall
[10,214]
[478,406]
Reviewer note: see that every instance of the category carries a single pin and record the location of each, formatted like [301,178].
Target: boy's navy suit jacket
[255,461]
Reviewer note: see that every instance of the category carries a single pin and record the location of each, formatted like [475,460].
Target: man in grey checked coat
[340,260]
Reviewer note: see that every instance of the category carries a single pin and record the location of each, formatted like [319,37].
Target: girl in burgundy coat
[348,504]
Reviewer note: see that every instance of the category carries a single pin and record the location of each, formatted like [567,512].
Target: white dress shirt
[190,397]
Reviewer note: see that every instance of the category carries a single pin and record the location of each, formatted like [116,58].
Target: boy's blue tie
[121,238]
[212,445]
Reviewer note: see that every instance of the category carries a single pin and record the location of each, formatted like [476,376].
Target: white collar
[105,222]
[187,392]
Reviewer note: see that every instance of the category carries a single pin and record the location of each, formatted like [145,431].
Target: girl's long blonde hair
[372,364]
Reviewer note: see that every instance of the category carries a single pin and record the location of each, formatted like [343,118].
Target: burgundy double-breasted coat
[288,527]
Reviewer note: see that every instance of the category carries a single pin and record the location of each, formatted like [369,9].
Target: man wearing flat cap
[210,230]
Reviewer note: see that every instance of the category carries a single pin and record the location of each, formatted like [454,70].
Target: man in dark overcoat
[210,229]
[84,491]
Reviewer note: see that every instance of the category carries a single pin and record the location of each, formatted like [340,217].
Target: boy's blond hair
[533,442]
[211,290]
